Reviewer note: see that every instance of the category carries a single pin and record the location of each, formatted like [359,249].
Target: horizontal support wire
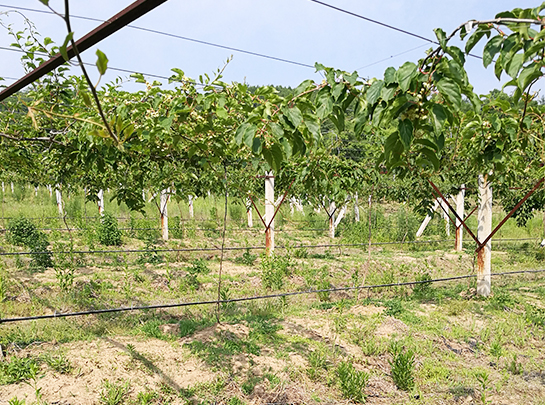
[254,298]
[209,249]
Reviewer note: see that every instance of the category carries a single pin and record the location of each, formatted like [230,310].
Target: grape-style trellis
[427,121]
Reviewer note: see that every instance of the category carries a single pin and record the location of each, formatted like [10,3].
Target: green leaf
[513,66]
[374,91]
[324,102]
[256,146]
[440,116]
[86,98]
[450,91]
[431,156]
[46,2]
[405,74]
[475,38]
[221,112]
[427,143]
[102,62]
[239,134]
[528,75]
[277,130]
[277,157]
[313,126]
[249,135]
[406,132]
[441,37]
[294,115]
[389,75]
[490,50]
[62,48]
[388,92]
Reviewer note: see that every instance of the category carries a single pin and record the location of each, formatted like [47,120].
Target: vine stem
[84,70]
[222,243]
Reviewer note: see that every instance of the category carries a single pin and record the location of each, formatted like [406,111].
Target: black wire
[412,34]
[46,252]
[111,67]
[261,55]
[259,297]
[90,252]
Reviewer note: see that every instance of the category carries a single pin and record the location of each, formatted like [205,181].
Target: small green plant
[150,254]
[113,393]
[482,379]
[402,366]
[394,308]
[108,231]
[146,397]
[424,288]
[18,369]
[16,401]
[514,367]
[274,268]
[58,362]
[247,258]
[352,382]
[496,348]
[21,232]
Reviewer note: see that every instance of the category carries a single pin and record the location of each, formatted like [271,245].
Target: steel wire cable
[253,298]
[261,55]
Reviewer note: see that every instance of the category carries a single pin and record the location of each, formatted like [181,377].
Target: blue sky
[298,30]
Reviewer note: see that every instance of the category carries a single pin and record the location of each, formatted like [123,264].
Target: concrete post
[164,213]
[269,212]
[460,211]
[484,256]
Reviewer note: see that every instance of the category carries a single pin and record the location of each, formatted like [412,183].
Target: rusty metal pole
[460,211]
[269,213]
[484,255]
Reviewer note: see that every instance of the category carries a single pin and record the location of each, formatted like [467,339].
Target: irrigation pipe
[254,298]
[211,249]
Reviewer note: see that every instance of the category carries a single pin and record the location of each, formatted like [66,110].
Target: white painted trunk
[427,220]
[340,216]
[269,212]
[249,213]
[331,213]
[101,202]
[460,211]
[59,200]
[484,257]
[445,211]
[12,189]
[356,209]
[191,212]
[164,212]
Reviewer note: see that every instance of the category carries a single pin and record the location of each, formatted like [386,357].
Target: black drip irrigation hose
[254,298]
[211,249]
